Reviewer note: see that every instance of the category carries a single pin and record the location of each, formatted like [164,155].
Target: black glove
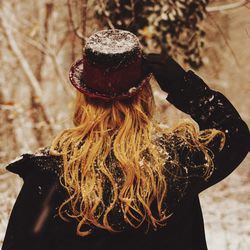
[168,73]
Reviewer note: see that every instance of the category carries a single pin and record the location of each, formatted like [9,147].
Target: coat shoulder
[40,161]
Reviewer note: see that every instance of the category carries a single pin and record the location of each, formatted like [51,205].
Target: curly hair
[124,131]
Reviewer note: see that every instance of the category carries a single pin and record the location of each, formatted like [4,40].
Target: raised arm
[209,108]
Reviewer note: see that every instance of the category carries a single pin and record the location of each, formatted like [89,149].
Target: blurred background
[39,40]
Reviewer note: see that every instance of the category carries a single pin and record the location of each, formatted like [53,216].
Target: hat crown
[112,48]
[111,67]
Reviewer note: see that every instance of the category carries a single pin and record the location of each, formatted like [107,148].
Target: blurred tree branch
[102,6]
[84,6]
[44,47]
[225,39]
[227,6]
[79,7]
[44,35]
[248,34]
[74,26]
[26,68]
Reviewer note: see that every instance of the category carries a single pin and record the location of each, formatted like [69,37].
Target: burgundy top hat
[111,67]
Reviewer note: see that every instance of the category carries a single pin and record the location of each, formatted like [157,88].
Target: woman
[118,180]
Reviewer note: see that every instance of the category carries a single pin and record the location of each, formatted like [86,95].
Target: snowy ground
[226,211]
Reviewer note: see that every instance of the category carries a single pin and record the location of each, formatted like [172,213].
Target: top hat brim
[76,78]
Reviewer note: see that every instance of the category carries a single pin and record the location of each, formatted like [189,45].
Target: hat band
[114,81]
[76,79]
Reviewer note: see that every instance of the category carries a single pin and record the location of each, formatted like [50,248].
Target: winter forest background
[39,40]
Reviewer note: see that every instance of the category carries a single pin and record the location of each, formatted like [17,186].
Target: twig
[60,75]
[84,19]
[71,20]
[48,13]
[59,71]
[42,42]
[102,5]
[3,170]
[80,35]
[25,66]
[75,28]
[42,45]
[45,48]
[34,83]
[37,45]
[62,42]
[248,34]
[132,3]
[225,40]
[228,6]
[23,21]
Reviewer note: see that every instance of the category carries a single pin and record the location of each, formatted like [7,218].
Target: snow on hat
[111,67]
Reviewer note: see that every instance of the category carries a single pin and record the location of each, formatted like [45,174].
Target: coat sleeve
[35,206]
[211,109]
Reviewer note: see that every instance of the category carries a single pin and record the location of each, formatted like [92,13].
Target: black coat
[34,224]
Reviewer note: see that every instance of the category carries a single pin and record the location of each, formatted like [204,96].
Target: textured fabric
[34,224]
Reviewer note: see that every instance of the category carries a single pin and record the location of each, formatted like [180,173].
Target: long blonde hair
[114,144]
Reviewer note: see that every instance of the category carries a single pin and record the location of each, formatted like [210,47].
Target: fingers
[154,58]
[146,65]
[153,63]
